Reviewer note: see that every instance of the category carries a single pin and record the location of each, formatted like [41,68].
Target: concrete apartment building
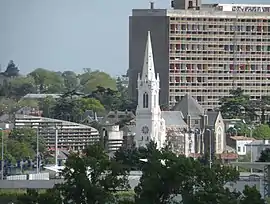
[203,49]
[70,136]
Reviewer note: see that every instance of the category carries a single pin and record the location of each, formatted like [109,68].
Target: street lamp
[210,147]
[251,148]
[37,150]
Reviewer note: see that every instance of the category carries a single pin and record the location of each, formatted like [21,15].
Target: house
[239,144]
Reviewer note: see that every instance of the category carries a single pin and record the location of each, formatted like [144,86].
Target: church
[185,128]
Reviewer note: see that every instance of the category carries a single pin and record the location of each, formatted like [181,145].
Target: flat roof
[241,138]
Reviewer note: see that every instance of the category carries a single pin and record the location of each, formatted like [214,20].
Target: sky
[71,35]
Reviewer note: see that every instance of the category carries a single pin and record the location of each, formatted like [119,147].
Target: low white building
[239,144]
[113,137]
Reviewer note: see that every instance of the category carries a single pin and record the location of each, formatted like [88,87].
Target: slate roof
[189,106]
[212,117]
[173,118]
[114,117]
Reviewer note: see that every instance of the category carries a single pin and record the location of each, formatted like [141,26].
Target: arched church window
[142,138]
[145,100]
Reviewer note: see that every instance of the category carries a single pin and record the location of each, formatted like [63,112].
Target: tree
[22,143]
[183,176]
[71,80]
[108,97]
[47,106]
[235,105]
[262,132]
[91,177]
[67,109]
[265,156]
[91,80]
[12,70]
[91,104]
[20,86]
[251,196]
[47,81]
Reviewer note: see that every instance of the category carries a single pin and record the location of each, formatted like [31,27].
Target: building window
[145,100]
[196,122]
[238,149]
[244,149]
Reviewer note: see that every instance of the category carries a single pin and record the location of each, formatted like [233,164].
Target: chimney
[152,5]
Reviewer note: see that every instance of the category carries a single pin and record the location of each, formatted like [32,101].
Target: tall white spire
[148,72]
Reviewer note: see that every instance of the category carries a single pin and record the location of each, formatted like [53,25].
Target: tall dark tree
[12,70]
[237,105]
[92,178]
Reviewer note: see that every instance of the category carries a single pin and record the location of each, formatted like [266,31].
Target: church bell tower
[148,112]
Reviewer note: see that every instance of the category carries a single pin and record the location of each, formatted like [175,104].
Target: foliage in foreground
[93,178]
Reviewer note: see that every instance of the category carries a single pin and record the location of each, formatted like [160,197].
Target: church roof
[212,117]
[148,71]
[173,118]
[189,106]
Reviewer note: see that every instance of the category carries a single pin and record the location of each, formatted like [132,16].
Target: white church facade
[184,128]
[150,126]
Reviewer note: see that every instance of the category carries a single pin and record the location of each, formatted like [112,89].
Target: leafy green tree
[91,104]
[71,80]
[8,106]
[30,197]
[47,81]
[234,105]
[22,143]
[92,178]
[47,106]
[265,155]
[28,103]
[20,86]
[67,109]
[108,97]
[91,80]
[182,176]
[262,132]
[251,196]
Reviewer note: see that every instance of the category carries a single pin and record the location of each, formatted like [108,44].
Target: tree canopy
[92,177]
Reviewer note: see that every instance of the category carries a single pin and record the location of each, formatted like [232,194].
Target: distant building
[188,128]
[203,49]
[41,96]
[256,147]
[113,137]
[71,136]
[239,144]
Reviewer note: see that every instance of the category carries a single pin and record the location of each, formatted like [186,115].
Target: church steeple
[148,71]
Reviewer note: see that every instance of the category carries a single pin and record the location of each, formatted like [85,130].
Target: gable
[189,106]
[173,118]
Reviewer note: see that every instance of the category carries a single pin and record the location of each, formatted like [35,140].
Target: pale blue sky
[69,34]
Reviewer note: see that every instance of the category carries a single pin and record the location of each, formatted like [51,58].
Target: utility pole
[56,146]
[37,150]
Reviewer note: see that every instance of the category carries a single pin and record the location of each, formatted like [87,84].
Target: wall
[140,23]
[241,145]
